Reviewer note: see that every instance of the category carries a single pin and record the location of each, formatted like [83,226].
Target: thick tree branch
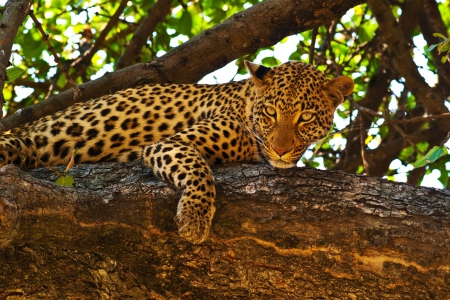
[13,16]
[155,15]
[277,234]
[262,25]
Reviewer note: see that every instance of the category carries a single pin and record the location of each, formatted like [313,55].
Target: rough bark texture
[262,25]
[277,234]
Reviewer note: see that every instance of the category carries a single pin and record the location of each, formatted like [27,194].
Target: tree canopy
[398,112]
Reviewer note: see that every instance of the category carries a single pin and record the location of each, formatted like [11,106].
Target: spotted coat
[180,129]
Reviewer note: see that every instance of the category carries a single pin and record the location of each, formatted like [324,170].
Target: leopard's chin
[281,164]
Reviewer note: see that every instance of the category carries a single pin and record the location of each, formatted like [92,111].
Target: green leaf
[65,180]
[13,73]
[430,157]
[444,59]
[442,47]
[437,34]
[185,23]
[431,48]
[310,163]
[270,61]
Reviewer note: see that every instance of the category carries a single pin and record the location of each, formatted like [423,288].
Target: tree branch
[431,22]
[389,149]
[81,63]
[262,25]
[76,91]
[276,234]
[376,90]
[13,16]
[155,15]
[404,63]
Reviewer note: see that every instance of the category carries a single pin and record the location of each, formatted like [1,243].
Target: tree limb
[81,63]
[262,25]
[430,23]
[389,149]
[403,61]
[13,16]
[277,234]
[155,15]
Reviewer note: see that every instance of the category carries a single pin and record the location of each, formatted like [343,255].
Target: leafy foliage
[383,121]
[442,47]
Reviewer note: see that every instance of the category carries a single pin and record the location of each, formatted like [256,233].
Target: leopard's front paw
[194,219]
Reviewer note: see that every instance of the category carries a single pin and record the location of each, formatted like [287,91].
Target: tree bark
[277,234]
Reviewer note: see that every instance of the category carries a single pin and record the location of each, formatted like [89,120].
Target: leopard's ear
[258,73]
[342,85]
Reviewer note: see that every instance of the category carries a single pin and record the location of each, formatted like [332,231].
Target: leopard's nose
[281,151]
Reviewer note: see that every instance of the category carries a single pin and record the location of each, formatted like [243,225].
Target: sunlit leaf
[14,73]
[270,61]
[437,34]
[430,157]
[442,47]
[65,180]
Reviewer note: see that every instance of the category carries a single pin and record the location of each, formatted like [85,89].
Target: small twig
[405,136]
[312,47]
[402,121]
[156,14]
[4,148]
[86,58]
[419,119]
[363,152]
[446,139]
[76,90]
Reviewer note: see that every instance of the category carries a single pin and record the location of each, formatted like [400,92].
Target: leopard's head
[294,108]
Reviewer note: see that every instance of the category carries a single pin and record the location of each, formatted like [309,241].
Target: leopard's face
[294,108]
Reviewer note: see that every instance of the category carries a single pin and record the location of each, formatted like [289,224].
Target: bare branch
[75,89]
[155,15]
[389,149]
[81,63]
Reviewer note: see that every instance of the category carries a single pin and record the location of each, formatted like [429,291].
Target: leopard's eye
[270,111]
[306,117]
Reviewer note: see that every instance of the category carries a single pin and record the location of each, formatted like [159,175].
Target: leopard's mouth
[281,164]
[286,161]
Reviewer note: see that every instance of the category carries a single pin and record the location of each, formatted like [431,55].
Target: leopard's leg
[184,166]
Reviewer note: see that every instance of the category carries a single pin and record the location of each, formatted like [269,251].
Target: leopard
[180,130]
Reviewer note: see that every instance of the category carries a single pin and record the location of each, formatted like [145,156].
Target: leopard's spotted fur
[180,129]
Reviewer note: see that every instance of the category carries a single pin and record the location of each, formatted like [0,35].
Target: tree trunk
[277,234]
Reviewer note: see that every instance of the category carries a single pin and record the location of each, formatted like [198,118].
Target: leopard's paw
[194,219]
